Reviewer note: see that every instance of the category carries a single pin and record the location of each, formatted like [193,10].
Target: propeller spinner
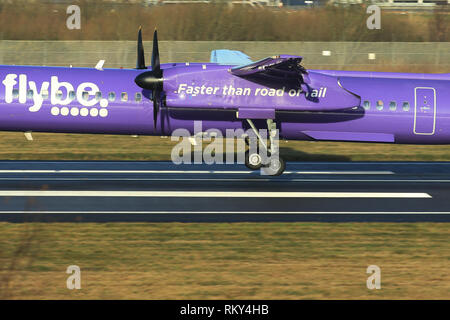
[151,80]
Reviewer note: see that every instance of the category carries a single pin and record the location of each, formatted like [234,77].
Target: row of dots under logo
[64,111]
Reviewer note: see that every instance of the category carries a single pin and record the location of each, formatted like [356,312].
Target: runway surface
[160,192]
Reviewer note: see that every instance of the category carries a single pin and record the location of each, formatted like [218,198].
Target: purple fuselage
[335,105]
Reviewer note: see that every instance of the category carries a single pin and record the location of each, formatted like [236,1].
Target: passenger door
[425,110]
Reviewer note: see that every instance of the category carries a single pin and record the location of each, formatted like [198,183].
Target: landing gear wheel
[253,161]
[270,161]
[276,167]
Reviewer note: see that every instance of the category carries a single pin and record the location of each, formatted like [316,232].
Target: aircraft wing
[232,57]
[284,66]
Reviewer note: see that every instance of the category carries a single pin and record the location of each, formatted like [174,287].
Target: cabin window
[124,96]
[45,94]
[59,95]
[85,95]
[30,94]
[15,93]
[406,106]
[72,95]
[366,105]
[380,105]
[112,96]
[138,97]
[98,96]
[392,105]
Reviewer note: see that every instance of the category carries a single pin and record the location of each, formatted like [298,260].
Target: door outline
[415,111]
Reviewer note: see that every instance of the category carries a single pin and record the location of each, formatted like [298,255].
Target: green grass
[226,261]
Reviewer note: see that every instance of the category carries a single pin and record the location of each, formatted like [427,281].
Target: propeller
[140,52]
[151,80]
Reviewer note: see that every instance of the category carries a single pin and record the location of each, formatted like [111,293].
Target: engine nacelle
[213,87]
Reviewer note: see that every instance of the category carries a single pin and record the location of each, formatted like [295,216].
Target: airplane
[229,92]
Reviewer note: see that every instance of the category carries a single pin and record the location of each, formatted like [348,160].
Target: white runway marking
[208,194]
[127,171]
[342,172]
[234,212]
[258,178]
[193,172]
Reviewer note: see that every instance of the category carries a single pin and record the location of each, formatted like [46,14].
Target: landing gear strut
[271,163]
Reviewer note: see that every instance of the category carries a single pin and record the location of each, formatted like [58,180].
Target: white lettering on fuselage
[196,90]
[229,90]
[55,90]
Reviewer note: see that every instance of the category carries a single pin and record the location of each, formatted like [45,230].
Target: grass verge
[225,261]
[50,146]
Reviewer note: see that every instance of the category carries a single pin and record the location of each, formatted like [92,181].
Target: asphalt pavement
[66,191]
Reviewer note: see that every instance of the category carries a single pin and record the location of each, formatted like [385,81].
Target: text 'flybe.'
[53,89]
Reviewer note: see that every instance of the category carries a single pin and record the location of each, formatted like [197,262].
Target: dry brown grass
[58,146]
[233,261]
[102,21]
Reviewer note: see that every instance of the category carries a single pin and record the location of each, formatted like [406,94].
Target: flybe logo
[86,94]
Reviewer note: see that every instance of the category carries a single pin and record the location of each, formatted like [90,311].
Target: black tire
[276,167]
[249,165]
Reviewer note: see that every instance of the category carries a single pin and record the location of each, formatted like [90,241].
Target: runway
[65,191]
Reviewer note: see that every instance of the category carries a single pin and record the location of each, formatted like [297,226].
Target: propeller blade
[155,55]
[140,52]
[151,80]
[156,99]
